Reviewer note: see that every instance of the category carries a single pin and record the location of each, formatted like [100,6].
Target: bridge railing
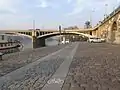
[117,10]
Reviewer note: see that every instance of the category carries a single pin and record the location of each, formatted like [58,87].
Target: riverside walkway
[14,61]
[75,66]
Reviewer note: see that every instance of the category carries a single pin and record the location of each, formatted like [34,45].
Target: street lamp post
[60,32]
[34,26]
[91,16]
[114,9]
[34,35]
[106,5]
[64,37]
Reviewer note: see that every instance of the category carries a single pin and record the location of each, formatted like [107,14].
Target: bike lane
[57,80]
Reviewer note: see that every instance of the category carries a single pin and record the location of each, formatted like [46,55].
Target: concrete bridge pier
[113,37]
[117,37]
[40,43]
[110,37]
[117,34]
[34,42]
[37,43]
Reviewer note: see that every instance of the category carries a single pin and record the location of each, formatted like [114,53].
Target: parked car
[63,42]
[103,40]
[67,41]
[95,40]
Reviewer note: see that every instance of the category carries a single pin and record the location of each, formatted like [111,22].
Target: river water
[27,42]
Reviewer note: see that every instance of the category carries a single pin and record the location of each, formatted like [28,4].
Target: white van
[94,40]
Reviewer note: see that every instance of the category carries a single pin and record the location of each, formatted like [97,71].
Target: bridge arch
[63,33]
[40,40]
[118,23]
[113,31]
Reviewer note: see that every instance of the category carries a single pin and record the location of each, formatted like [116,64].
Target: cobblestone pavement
[94,67]
[36,74]
[14,61]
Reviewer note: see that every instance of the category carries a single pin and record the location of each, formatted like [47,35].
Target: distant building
[5,38]
[71,28]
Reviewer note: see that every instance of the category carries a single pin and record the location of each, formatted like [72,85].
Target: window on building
[1,45]
[5,45]
[8,38]
[2,37]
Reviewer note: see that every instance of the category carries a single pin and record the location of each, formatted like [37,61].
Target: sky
[49,14]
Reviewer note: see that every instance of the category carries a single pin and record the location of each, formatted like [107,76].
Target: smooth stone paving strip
[57,80]
[34,76]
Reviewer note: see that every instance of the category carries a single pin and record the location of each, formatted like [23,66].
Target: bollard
[0,57]
[1,54]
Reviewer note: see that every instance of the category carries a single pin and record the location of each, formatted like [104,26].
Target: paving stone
[76,88]
[16,60]
[94,68]
[35,75]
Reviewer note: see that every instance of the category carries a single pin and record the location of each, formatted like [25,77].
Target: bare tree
[87,24]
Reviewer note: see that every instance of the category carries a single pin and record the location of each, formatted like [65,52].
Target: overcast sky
[19,14]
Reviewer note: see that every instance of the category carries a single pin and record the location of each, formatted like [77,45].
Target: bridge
[108,29]
[38,36]
[40,41]
[39,32]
